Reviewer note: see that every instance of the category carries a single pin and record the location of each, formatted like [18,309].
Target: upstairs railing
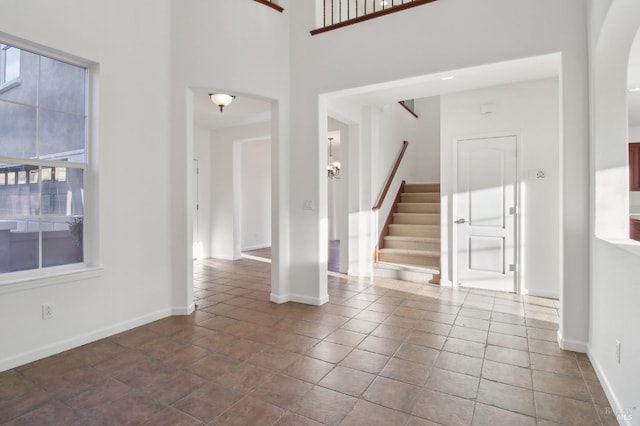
[272,4]
[340,13]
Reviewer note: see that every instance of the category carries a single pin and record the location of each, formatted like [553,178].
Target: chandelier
[333,168]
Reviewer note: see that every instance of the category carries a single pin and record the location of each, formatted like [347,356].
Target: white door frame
[519,215]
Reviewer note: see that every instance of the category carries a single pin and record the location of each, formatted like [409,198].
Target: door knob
[459,221]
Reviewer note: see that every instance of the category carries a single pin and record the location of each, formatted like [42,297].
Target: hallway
[383,352]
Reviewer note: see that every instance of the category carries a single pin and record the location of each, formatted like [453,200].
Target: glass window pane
[17,130]
[62,136]
[26,91]
[62,86]
[33,176]
[22,247]
[62,240]
[18,199]
[61,174]
[3,178]
[46,173]
[11,64]
[64,198]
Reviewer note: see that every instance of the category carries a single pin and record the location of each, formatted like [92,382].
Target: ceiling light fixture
[333,168]
[634,89]
[447,78]
[221,99]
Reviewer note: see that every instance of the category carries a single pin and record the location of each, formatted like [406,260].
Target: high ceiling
[245,110]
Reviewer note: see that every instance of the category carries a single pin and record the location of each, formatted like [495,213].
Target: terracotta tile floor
[383,353]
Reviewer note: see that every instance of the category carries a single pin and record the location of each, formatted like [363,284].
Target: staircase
[410,248]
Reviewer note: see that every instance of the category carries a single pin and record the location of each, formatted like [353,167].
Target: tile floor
[383,353]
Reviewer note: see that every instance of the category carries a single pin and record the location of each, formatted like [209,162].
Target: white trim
[256,258]
[542,293]
[183,310]
[279,299]
[608,390]
[298,298]
[77,341]
[571,345]
[32,281]
[316,301]
[256,247]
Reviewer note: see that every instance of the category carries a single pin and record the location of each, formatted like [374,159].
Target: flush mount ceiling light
[221,99]
[448,77]
[634,89]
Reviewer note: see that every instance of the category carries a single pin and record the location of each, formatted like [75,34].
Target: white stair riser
[411,276]
[433,246]
[409,259]
[422,187]
[420,197]
[414,230]
[416,218]
[418,207]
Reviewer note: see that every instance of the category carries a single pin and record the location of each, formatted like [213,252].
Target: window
[43,161]
[9,65]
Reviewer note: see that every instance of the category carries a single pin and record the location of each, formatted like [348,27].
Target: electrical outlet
[618,351]
[47,311]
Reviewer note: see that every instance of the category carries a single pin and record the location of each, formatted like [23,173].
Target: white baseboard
[256,247]
[571,345]
[542,293]
[275,298]
[186,310]
[76,341]
[622,414]
[316,301]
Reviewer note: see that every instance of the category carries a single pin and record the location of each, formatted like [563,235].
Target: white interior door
[486,213]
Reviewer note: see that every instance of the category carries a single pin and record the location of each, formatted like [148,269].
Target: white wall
[131,148]
[615,262]
[255,193]
[530,111]
[502,30]
[225,186]
[426,166]
[202,153]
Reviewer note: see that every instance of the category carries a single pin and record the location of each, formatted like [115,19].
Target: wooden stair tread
[412,238]
[410,252]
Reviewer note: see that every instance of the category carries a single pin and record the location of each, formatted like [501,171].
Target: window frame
[4,84]
[90,265]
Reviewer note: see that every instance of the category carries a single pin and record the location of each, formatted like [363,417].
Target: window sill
[628,245]
[9,85]
[34,280]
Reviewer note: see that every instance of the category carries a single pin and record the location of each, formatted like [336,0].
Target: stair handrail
[387,185]
[271,4]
